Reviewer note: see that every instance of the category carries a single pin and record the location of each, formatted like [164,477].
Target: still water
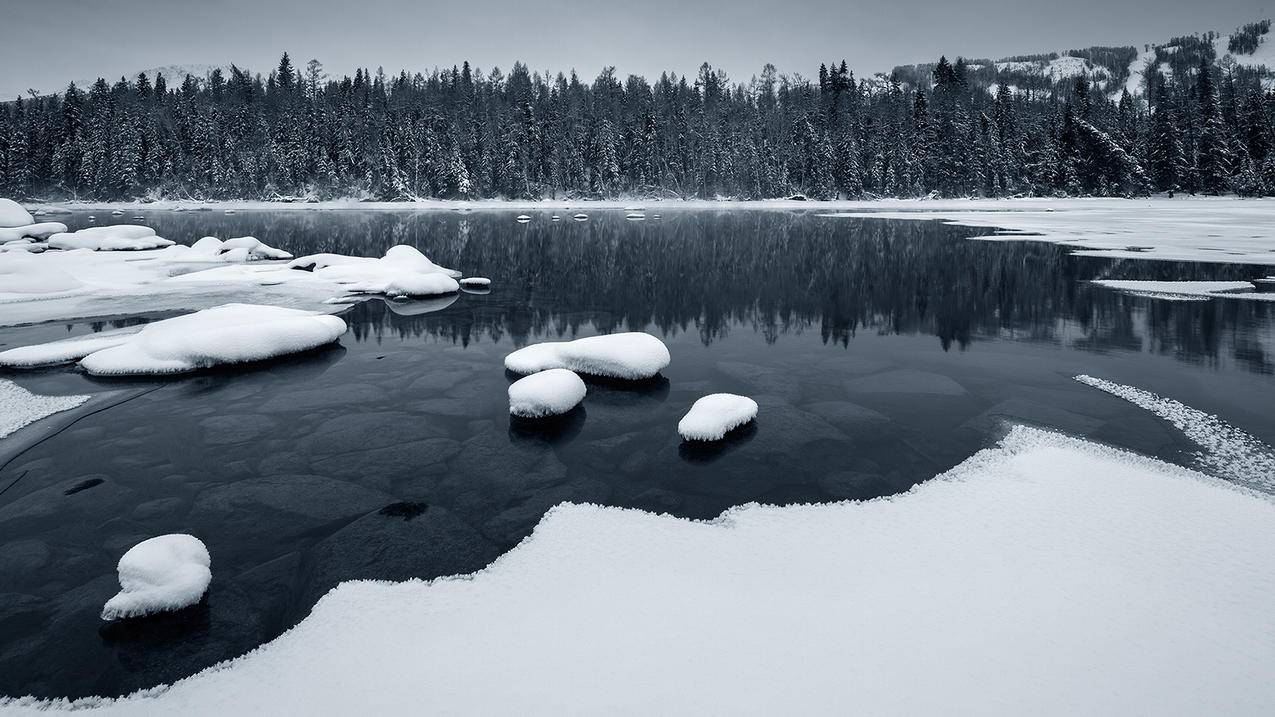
[881,353]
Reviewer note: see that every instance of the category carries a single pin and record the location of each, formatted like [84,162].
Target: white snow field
[629,355]
[1044,576]
[715,415]
[167,572]
[548,393]
[228,334]
[19,407]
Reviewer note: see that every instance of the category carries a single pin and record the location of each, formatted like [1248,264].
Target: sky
[48,43]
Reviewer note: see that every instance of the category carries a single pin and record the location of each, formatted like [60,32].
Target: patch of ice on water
[13,214]
[547,393]
[1044,576]
[1186,290]
[228,334]
[167,572]
[630,355]
[19,407]
[1227,451]
[715,415]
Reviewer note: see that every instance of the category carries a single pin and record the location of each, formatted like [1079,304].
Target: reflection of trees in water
[773,272]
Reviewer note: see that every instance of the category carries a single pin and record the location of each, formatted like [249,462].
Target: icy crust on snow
[1057,577]
[715,415]
[167,572]
[631,355]
[1204,229]
[1187,290]
[403,272]
[1226,451]
[19,407]
[548,393]
[229,334]
[13,214]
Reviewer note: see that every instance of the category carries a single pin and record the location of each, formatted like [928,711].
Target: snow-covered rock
[715,415]
[19,407]
[13,214]
[117,237]
[229,334]
[631,355]
[167,572]
[403,271]
[43,230]
[547,393]
[1019,582]
[231,250]
[475,281]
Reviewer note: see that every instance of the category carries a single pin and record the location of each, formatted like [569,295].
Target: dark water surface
[880,352]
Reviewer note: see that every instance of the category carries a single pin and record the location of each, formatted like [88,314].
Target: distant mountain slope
[1250,49]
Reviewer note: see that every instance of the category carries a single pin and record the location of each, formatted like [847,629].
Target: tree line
[459,133]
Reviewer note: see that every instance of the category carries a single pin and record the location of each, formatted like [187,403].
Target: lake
[881,353]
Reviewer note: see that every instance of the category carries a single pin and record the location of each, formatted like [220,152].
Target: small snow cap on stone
[475,281]
[631,355]
[580,217]
[168,572]
[715,415]
[13,215]
[548,393]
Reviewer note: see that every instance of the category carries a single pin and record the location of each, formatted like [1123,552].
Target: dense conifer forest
[948,129]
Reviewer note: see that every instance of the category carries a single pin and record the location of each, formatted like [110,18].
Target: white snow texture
[13,215]
[715,415]
[630,355]
[19,407]
[167,572]
[547,393]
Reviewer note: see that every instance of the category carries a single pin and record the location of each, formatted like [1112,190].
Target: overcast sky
[47,43]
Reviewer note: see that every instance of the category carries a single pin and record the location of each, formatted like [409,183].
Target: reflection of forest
[773,272]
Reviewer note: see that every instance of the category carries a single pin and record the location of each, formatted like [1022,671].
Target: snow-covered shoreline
[1045,575]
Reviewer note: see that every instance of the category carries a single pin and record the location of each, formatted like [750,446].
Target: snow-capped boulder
[715,415]
[547,393]
[231,250]
[118,237]
[631,355]
[227,334]
[475,281]
[43,230]
[167,572]
[402,272]
[13,215]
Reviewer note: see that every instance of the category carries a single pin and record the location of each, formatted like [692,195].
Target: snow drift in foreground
[229,334]
[715,415]
[1045,576]
[632,355]
[167,572]
[1227,452]
[19,407]
[1219,230]
[548,393]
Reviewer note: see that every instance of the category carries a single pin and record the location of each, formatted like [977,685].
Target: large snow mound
[19,407]
[403,271]
[117,237]
[1044,576]
[13,215]
[631,355]
[238,249]
[547,393]
[228,334]
[715,415]
[167,572]
[43,230]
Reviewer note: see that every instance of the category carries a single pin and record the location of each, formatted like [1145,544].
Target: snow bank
[1204,229]
[547,393]
[229,334]
[43,230]
[168,572]
[118,237]
[1045,576]
[1227,452]
[403,271]
[19,407]
[715,415]
[632,355]
[13,215]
